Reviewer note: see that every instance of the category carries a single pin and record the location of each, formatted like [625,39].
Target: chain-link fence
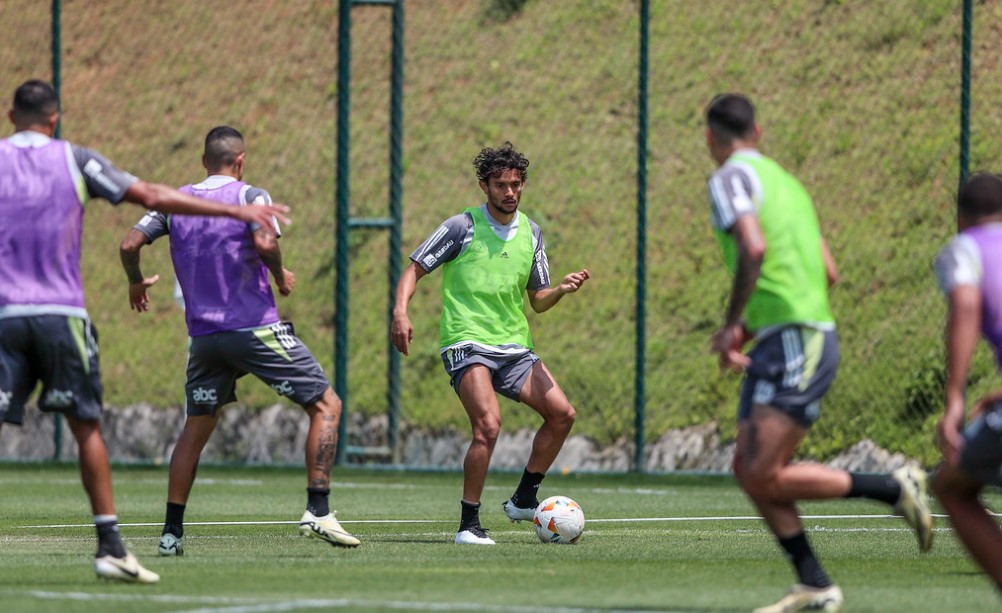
[859,100]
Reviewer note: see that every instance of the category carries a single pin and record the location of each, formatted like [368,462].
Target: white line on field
[621,520]
[257,523]
[741,518]
[247,605]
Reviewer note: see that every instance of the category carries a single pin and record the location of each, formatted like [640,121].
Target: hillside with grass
[859,100]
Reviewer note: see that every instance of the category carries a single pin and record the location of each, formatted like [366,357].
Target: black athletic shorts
[791,369]
[981,457]
[58,350]
[272,353]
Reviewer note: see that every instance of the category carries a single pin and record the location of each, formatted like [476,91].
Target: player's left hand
[727,343]
[574,281]
[401,332]
[139,299]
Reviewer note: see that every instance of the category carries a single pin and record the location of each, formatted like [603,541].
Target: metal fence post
[965,93]
[341,220]
[396,213]
[57,418]
[345,222]
[638,462]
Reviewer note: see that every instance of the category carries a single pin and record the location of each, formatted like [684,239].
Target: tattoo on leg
[326,448]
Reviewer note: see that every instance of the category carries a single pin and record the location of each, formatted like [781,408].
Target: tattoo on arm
[130,262]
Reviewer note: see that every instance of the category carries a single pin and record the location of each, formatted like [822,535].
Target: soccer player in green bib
[491,256]
[782,268]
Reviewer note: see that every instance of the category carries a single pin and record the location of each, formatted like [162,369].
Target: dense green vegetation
[860,100]
[698,548]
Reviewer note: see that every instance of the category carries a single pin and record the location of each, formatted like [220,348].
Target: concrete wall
[277,435]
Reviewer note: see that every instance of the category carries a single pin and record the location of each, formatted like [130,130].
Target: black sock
[525,495]
[798,552]
[875,487]
[470,515]
[316,501]
[174,520]
[109,541]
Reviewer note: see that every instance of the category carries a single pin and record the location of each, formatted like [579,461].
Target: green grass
[860,100]
[696,565]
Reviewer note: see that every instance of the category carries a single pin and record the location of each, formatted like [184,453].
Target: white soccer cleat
[804,598]
[474,535]
[913,505]
[126,569]
[171,545]
[326,529]
[517,514]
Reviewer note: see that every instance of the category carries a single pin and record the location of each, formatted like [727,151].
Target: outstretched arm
[544,299]
[133,242]
[266,243]
[164,199]
[401,330]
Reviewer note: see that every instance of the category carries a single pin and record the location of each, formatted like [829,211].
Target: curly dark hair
[492,162]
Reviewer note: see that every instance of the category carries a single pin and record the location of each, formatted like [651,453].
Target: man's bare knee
[83,429]
[563,417]
[329,405]
[760,482]
[485,432]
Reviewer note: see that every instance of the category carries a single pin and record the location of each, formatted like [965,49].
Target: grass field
[682,543]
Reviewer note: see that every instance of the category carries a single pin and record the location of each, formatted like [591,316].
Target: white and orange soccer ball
[559,519]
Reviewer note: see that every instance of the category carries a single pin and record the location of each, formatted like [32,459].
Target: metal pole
[57,84]
[396,212]
[965,93]
[57,78]
[641,337]
[341,222]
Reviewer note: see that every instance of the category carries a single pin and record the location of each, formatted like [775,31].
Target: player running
[491,255]
[765,222]
[968,276]
[234,327]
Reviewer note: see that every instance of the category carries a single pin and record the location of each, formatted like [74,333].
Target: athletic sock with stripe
[109,540]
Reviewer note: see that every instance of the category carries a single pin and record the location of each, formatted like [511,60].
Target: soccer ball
[559,519]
